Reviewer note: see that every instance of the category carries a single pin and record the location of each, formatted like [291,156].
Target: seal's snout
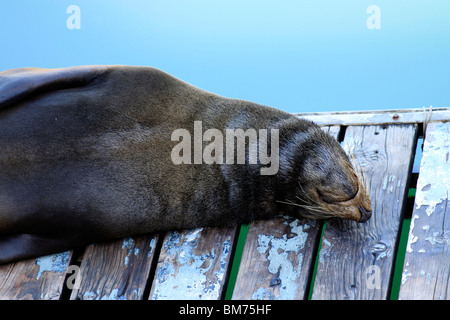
[365,215]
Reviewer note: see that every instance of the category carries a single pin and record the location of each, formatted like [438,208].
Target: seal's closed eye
[337,196]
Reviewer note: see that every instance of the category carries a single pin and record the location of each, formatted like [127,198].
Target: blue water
[299,56]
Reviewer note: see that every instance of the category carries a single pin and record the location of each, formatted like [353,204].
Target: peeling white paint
[195,234]
[113,296]
[390,181]
[405,275]
[90,295]
[279,253]
[55,262]
[129,244]
[152,247]
[439,237]
[259,294]
[433,185]
[184,273]
[385,182]
[325,251]
[412,238]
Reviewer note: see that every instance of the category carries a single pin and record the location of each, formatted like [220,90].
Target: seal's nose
[365,215]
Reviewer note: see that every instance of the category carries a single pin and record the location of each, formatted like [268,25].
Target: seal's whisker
[318,211]
[309,201]
[315,209]
[308,198]
[290,203]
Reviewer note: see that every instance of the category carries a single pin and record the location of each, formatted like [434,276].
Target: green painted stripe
[236,261]
[400,259]
[316,263]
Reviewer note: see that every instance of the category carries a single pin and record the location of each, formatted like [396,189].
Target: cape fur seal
[85,155]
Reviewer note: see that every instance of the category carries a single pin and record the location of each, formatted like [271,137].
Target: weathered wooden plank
[426,273]
[35,279]
[116,270]
[277,260]
[332,130]
[278,256]
[400,116]
[193,264]
[356,260]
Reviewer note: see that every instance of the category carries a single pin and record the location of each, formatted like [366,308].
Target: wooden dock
[285,258]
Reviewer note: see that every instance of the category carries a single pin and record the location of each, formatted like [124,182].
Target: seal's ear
[18,84]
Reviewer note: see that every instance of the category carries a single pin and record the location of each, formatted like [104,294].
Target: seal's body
[85,155]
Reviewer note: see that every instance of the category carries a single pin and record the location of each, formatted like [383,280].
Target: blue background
[299,56]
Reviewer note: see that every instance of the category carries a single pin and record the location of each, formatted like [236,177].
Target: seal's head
[326,185]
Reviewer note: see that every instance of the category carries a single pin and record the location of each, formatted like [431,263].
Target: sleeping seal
[100,152]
